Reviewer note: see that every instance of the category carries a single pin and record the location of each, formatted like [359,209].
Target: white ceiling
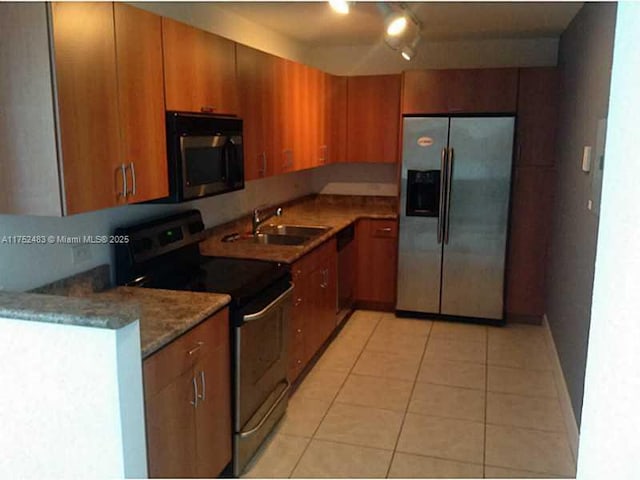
[315,24]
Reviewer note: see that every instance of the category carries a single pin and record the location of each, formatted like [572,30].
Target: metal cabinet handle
[134,187]
[443,163]
[384,230]
[204,387]
[325,278]
[266,310]
[194,402]
[299,330]
[123,171]
[207,109]
[262,171]
[298,301]
[195,349]
[449,180]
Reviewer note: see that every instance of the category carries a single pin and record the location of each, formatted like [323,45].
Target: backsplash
[28,266]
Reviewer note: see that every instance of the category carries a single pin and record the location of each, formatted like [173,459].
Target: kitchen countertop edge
[61,310]
[165,315]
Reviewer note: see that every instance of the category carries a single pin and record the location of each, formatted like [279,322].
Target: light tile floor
[405,398]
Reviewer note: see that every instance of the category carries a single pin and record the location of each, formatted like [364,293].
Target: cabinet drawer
[383,228]
[312,260]
[181,354]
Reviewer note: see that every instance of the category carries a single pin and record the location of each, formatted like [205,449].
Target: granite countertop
[85,312]
[164,314]
[332,211]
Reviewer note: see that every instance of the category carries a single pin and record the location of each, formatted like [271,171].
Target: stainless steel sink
[269,239]
[294,230]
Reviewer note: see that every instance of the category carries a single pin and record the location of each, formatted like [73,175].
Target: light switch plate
[586,159]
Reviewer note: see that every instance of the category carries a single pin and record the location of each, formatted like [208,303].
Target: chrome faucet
[261,215]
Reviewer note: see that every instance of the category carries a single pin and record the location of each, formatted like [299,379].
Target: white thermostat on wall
[586,159]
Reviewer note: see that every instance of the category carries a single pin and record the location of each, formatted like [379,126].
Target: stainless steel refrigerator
[456,183]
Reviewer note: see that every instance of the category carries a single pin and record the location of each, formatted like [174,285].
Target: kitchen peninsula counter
[165,314]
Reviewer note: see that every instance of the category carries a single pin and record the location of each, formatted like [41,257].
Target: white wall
[208,16]
[361,60]
[59,403]
[609,440]
[356,179]
[24,267]
[380,59]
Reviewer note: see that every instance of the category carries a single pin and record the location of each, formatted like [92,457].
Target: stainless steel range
[164,254]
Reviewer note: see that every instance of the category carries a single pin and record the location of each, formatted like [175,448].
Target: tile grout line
[406,410]
[333,400]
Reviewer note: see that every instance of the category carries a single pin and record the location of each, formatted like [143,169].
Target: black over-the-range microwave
[205,155]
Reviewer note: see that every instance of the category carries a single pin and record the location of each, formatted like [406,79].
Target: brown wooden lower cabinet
[314,305]
[529,231]
[188,403]
[377,244]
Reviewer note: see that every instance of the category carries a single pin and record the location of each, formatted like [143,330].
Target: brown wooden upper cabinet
[336,119]
[537,116]
[256,84]
[490,90]
[373,117]
[110,103]
[199,70]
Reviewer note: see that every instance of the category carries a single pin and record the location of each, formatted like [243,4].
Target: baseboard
[379,306]
[563,392]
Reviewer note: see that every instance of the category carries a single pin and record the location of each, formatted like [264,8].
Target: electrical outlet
[80,254]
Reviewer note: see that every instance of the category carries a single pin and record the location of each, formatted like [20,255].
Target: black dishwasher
[346,271]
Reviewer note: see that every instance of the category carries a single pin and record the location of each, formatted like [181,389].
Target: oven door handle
[262,313]
[284,392]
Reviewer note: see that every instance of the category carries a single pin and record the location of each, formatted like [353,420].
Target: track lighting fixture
[409,51]
[396,24]
[340,6]
[402,29]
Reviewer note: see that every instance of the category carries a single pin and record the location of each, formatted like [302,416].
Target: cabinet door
[425,91]
[254,72]
[297,327]
[283,115]
[330,295]
[213,415]
[171,428]
[85,66]
[529,232]
[373,113]
[377,264]
[537,116]
[486,90]
[336,119]
[141,102]
[315,136]
[199,70]
[315,319]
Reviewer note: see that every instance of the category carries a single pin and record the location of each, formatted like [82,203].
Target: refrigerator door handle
[443,163]
[448,207]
